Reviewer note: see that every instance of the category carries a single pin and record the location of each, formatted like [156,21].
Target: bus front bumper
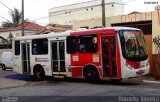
[131,72]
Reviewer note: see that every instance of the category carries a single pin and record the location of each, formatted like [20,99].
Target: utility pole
[103,14]
[22,17]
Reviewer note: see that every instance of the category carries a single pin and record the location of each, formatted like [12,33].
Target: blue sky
[35,9]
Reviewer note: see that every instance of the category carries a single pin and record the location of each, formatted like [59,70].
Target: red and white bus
[103,53]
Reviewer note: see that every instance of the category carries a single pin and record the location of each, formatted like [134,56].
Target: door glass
[109,56]
[61,50]
[62,56]
[113,57]
[54,57]
[55,66]
[62,66]
[24,52]
[26,57]
[54,51]
[58,56]
[105,54]
[28,49]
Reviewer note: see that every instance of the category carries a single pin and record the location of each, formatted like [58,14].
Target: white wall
[16,33]
[82,11]
[6,33]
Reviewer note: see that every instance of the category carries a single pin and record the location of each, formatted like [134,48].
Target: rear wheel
[3,67]
[39,74]
[92,75]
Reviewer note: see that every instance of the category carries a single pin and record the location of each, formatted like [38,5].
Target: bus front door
[109,56]
[26,58]
[58,58]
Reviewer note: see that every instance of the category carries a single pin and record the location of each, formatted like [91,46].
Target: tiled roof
[54,28]
[27,26]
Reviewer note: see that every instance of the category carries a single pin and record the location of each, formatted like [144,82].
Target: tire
[3,67]
[91,75]
[39,74]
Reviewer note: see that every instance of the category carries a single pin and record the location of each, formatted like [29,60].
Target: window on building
[39,46]
[87,44]
[71,44]
[87,9]
[17,48]
[91,8]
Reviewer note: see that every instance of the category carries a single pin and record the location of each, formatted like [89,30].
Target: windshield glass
[133,45]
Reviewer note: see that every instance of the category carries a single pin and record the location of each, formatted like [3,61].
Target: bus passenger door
[26,58]
[58,58]
[109,56]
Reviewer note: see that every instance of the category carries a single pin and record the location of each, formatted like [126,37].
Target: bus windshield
[133,45]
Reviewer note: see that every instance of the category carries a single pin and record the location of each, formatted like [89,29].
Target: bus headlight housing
[129,66]
[147,64]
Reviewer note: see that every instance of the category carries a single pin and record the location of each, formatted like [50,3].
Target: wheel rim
[91,75]
[3,67]
[38,74]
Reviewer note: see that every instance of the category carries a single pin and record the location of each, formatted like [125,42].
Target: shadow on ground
[51,80]
[20,77]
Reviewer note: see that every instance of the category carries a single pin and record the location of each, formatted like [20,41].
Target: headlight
[147,64]
[129,66]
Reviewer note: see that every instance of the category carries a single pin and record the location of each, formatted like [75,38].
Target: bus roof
[67,33]
[110,28]
[52,34]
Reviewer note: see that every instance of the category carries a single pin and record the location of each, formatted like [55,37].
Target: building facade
[86,10]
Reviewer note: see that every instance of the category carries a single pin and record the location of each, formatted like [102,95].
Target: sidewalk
[11,83]
[147,79]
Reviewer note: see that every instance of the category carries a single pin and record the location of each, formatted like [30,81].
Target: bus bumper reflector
[56,76]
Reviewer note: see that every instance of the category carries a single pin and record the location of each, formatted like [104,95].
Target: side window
[39,46]
[87,44]
[71,44]
[17,48]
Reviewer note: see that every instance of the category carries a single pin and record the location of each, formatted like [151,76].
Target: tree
[16,18]
[10,37]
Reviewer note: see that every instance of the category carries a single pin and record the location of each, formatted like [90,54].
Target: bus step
[58,76]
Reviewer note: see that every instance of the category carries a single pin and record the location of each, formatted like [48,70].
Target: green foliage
[16,18]
[10,37]
[7,43]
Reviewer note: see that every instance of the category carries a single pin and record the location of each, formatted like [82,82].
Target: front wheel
[3,67]
[39,74]
[92,75]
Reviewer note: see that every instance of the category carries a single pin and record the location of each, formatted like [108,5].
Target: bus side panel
[17,64]
[17,60]
[77,72]
[44,61]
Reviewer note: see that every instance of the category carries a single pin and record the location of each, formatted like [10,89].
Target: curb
[149,81]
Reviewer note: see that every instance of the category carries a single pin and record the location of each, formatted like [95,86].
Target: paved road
[78,87]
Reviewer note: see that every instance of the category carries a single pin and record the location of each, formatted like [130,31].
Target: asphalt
[9,79]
